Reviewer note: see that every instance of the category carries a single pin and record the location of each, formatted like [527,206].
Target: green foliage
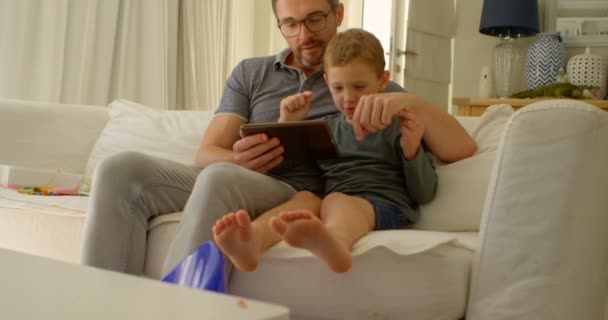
[557,90]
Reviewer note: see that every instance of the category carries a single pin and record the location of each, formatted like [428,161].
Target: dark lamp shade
[502,18]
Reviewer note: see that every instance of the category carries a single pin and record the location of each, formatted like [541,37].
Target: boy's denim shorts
[388,216]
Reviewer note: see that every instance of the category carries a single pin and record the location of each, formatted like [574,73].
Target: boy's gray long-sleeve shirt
[376,168]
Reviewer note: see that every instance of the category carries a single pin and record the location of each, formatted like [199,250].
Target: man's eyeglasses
[314,23]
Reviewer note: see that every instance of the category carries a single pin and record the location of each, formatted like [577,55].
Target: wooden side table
[475,107]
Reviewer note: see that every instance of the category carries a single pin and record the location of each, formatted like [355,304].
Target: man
[240,172]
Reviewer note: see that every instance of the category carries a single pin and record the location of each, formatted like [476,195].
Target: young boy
[377,183]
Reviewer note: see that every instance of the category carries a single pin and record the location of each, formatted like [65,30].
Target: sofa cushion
[424,273]
[462,185]
[172,135]
[490,127]
[544,232]
[49,136]
[42,225]
[421,274]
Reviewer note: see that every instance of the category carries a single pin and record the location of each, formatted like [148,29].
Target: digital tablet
[302,140]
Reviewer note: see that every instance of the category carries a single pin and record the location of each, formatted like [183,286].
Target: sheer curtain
[168,54]
[89,51]
[204,64]
[219,33]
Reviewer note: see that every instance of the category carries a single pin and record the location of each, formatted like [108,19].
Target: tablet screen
[302,140]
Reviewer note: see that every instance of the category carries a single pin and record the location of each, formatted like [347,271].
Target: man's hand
[257,152]
[375,112]
[295,107]
[412,131]
[443,135]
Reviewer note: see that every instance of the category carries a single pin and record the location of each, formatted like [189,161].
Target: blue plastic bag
[202,269]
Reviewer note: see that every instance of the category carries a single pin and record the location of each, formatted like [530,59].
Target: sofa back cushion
[172,135]
[462,185]
[49,136]
[176,135]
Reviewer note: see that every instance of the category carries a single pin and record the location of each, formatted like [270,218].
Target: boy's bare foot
[302,229]
[233,234]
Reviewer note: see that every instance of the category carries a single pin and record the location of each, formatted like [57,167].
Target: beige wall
[472,50]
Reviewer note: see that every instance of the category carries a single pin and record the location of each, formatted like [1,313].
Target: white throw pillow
[172,135]
[490,127]
[462,185]
[461,191]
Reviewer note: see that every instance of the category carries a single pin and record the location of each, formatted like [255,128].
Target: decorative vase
[590,70]
[546,55]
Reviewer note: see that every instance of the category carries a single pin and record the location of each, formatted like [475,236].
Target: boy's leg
[344,220]
[243,240]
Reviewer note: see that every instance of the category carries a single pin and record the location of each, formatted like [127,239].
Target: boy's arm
[420,177]
[295,107]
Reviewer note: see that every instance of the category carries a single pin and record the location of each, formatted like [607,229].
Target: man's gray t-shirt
[254,92]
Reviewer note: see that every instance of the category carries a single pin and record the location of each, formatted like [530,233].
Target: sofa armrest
[544,229]
[49,136]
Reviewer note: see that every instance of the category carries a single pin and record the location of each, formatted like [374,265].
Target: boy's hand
[375,112]
[295,107]
[412,130]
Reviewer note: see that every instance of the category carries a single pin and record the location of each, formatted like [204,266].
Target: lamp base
[509,61]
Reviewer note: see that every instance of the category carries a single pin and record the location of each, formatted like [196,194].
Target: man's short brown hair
[355,44]
[332,3]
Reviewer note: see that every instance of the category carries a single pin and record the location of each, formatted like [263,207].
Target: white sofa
[423,273]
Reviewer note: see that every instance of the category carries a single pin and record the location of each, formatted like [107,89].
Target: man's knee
[220,174]
[124,168]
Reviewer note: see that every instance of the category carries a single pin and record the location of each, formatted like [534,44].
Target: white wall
[473,50]
[579,50]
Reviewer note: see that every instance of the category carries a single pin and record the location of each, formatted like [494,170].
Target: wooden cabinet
[474,107]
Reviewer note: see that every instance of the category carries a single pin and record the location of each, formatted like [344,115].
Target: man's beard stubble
[306,63]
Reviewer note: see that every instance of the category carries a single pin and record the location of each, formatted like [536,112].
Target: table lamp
[509,20]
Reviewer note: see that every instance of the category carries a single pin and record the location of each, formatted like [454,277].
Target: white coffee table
[33,287]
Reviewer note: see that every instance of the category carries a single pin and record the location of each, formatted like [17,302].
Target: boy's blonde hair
[354,44]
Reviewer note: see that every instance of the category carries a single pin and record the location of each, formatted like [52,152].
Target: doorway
[385,19]
[417,36]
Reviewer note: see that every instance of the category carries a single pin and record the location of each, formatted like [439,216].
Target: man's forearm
[443,135]
[212,154]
